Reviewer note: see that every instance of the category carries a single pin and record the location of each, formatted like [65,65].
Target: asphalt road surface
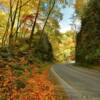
[80,83]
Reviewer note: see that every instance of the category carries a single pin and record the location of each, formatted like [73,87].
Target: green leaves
[19,84]
[88,39]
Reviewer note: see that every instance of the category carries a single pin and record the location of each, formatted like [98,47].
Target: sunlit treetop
[80,5]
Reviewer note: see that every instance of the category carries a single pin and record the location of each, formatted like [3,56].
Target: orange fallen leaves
[38,87]
[45,90]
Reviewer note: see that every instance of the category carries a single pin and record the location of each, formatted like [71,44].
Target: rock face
[88,39]
[43,47]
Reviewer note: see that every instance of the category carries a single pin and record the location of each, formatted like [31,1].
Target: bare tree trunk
[47,19]
[33,27]
[13,18]
[18,21]
[9,22]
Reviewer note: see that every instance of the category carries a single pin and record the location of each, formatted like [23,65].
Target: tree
[19,12]
[13,10]
[88,39]
[34,24]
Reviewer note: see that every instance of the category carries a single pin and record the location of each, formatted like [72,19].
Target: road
[80,83]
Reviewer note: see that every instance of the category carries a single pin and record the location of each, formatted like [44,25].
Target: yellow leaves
[23,61]
[28,8]
[79,4]
[4,3]
[3,16]
[3,21]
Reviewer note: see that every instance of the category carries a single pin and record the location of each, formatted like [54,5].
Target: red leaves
[27,17]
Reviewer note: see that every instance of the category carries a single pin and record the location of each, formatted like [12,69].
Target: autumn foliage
[29,86]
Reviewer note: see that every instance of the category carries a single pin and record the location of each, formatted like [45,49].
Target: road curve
[79,83]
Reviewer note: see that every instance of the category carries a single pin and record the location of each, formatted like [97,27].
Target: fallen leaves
[37,86]
[45,90]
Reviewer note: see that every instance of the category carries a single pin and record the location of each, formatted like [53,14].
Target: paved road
[80,83]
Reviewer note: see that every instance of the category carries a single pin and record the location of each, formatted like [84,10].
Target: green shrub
[20,84]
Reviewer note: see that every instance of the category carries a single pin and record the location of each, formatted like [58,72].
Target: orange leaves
[37,86]
[31,81]
[23,61]
[45,90]
[79,4]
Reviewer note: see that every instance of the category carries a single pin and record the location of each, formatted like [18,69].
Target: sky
[68,13]
[67,19]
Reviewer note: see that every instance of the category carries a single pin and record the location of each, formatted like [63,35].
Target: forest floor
[24,79]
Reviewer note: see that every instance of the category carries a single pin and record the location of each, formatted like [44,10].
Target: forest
[31,42]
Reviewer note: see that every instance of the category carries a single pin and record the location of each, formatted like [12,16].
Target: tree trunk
[13,18]
[33,27]
[47,19]
[18,21]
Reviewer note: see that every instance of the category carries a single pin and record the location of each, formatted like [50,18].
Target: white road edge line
[72,93]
